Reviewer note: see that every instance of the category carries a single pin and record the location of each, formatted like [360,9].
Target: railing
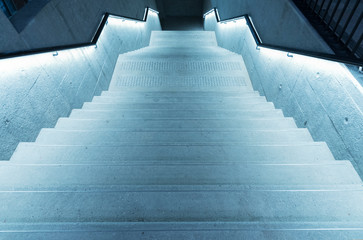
[7,7]
[259,42]
[93,42]
[339,22]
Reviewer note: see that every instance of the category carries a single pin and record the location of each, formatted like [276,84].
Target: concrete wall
[10,40]
[37,90]
[277,21]
[62,22]
[321,95]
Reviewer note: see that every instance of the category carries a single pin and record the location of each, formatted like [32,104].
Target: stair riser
[126,93]
[153,205]
[53,177]
[190,100]
[114,232]
[34,153]
[178,106]
[175,114]
[207,125]
[189,57]
[187,43]
[182,34]
[105,137]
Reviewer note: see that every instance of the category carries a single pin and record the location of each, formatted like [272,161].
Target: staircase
[180,147]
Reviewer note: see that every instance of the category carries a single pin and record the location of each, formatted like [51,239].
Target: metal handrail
[260,43]
[7,8]
[333,19]
[93,41]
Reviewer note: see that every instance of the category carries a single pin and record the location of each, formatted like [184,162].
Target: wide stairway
[180,147]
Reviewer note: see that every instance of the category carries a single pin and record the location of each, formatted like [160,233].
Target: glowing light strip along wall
[93,42]
[259,43]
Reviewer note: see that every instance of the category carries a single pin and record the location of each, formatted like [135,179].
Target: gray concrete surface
[278,22]
[197,175]
[321,95]
[37,90]
[10,40]
[307,153]
[63,22]
[177,231]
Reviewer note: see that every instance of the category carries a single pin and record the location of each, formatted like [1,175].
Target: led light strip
[55,50]
[289,51]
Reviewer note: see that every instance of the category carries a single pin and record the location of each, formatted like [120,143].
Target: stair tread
[174,114]
[206,124]
[70,175]
[56,136]
[313,152]
[172,203]
[178,106]
[189,230]
[225,92]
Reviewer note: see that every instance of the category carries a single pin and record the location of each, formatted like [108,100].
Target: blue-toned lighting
[311,64]
[217,14]
[208,13]
[16,65]
[153,11]
[145,14]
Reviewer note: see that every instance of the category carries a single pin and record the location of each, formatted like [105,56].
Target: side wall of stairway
[279,22]
[321,95]
[62,22]
[37,90]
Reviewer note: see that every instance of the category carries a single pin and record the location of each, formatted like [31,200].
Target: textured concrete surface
[181,160]
[322,96]
[278,22]
[37,90]
[23,16]
[307,153]
[177,231]
[10,39]
[64,22]
[160,164]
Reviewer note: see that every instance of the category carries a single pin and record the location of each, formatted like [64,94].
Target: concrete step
[144,92]
[186,34]
[205,124]
[190,100]
[166,38]
[212,67]
[104,137]
[178,106]
[185,230]
[181,204]
[173,114]
[197,51]
[174,80]
[183,43]
[158,53]
[63,177]
[163,56]
[316,152]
